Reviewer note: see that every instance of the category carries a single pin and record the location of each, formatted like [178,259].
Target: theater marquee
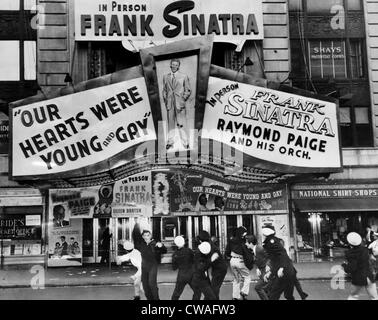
[167,20]
[274,126]
[75,131]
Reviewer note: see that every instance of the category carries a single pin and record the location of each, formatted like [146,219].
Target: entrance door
[93,230]
[101,226]
[88,241]
[232,224]
[170,228]
[123,234]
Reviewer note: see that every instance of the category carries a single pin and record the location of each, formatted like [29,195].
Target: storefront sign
[336,198]
[167,20]
[132,196]
[274,126]
[327,52]
[280,224]
[66,244]
[355,192]
[4,137]
[183,192]
[75,131]
[15,227]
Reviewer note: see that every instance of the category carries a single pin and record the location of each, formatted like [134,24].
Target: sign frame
[201,47]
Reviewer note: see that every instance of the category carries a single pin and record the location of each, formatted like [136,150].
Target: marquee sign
[168,112]
[167,20]
[75,131]
[277,127]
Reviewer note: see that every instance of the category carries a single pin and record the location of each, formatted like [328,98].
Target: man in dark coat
[105,245]
[282,269]
[182,260]
[201,281]
[218,264]
[357,265]
[151,252]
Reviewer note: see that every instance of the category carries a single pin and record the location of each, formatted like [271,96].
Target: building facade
[329,48]
[22,207]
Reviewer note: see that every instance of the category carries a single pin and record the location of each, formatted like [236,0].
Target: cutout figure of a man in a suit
[176,92]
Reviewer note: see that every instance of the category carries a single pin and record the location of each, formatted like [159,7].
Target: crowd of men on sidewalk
[274,268]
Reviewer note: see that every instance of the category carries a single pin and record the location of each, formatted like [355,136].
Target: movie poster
[65,244]
[132,196]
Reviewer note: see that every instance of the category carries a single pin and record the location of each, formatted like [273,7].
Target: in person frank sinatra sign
[79,130]
[165,20]
[273,126]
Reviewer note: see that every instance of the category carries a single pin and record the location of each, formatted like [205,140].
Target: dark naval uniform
[201,282]
[151,258]
[183,260]
[218,270]
[278,258]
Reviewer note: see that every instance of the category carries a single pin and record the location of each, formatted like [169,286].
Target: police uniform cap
[204,247]
[179,241]
[128,245]
[354,239]
[268,230]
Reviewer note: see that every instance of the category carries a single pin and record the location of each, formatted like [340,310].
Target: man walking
[218,264]
[282,268]
[151,252]
[236,251]
[357,265]
[263,270]
[176,92]
[182,260]
[201,281]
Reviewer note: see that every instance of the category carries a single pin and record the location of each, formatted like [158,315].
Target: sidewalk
[96,275]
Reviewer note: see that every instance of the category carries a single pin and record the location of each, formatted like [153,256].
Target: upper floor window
[9,60]
[321,7]
[10,5]
[18,60]
[334,58]
[15,5]
[355,127]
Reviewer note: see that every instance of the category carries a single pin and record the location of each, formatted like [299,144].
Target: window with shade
[337,59]
[18,60]
[355,127]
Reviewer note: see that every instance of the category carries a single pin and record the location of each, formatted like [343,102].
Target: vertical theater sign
[173,137]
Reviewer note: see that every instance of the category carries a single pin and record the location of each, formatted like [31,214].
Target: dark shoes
[136,298]
[304,296]
[244,296]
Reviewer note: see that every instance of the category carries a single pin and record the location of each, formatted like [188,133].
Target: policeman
[182,260]
[283,272]
[201,282]
[218,264]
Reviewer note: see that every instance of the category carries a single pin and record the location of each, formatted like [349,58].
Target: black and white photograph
[165,153]
[177,83]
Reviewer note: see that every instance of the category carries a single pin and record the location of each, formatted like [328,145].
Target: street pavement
[322,281]
[92,275]
[317,290]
